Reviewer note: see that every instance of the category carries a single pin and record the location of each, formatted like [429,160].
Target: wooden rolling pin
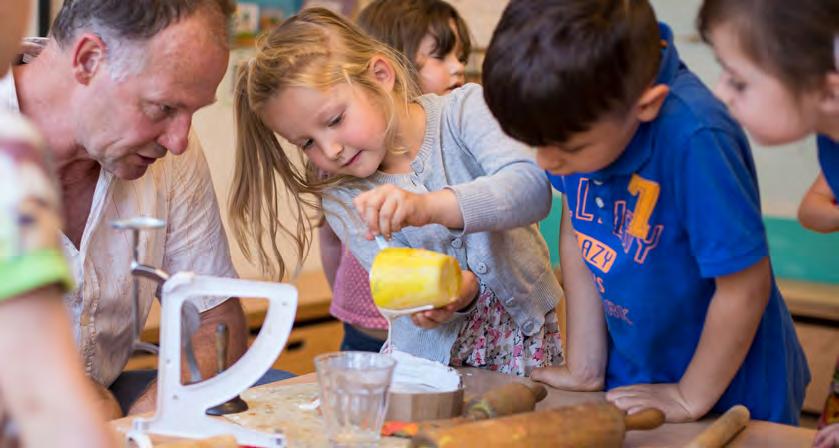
[212,442]
[586,425]
[723,429]
[509,399]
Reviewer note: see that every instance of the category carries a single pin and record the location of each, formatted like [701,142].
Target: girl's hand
[827,437]
[388,208]
[666,397]
[468,292]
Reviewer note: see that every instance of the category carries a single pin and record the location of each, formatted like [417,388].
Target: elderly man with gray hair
[113,90]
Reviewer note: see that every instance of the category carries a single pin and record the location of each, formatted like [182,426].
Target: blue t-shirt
[678,208]
[829,161]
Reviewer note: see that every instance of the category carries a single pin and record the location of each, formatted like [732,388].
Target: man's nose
[176,137]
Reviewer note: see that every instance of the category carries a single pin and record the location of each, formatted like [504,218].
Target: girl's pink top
[351,300]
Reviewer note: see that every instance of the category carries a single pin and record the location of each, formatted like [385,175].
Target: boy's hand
[388,208]
[468,291]
[667,398]
[827,437]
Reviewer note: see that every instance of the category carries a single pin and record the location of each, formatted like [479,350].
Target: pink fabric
[351,300]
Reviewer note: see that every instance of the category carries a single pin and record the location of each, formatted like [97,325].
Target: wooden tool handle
[508,399]
[212,442]
[539,391]
[649,418]
[222,337]
[723,429]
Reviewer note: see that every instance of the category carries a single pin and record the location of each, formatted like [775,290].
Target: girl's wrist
[442,208]
[469,306]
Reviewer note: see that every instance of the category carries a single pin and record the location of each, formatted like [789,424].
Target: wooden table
[757,434]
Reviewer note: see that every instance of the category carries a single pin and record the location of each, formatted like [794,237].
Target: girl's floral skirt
[490,339]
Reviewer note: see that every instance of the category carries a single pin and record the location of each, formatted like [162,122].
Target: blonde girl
[431,172]
[435,41]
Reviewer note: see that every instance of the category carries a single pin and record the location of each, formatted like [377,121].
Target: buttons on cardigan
[481,268]
[511,304]
[528,327]
[597,182]
[457,243]
[599,202]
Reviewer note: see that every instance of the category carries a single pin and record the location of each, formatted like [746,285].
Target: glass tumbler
[353,395]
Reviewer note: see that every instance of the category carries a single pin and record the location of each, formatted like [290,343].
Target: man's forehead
[200,28]
[184,70]
[174,89]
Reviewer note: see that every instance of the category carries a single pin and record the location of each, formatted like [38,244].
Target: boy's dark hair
[403,23]
[793,42]
[554,67]
[130,20]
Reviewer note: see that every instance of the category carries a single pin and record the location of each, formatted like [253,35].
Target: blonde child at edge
[427,172]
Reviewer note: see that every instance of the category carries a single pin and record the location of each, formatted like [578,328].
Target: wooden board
[284,408]
[821,345]
[808,299]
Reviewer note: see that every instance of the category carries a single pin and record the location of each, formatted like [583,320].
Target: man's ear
[829,103]
[89,56]
[382,71]
[648,106]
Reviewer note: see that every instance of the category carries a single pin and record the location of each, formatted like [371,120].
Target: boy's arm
[818,210]
[730,326]
[586,353]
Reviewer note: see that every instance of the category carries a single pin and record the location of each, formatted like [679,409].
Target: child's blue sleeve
[720,204]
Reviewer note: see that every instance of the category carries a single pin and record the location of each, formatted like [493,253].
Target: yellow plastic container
[403,278]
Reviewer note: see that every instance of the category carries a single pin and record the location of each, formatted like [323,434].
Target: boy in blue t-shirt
[671,299]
